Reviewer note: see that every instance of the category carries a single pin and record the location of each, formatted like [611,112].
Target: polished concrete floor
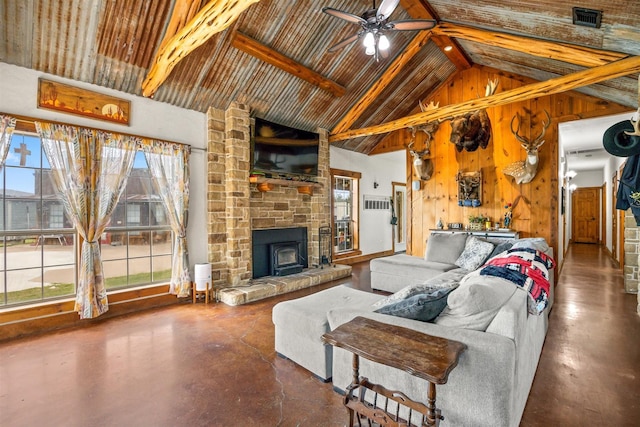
[215,365]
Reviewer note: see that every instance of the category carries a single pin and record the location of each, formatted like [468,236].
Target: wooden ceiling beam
[560,84]
[573,54]
[183,12]
[213,18]
[270,56]
[376,89]
[421,9]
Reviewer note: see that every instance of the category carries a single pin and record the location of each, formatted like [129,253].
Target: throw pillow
[504,246]
[402,294]
[475,303]
[445,247]
[537,243]
[449,279]
[424,306]
[475,252]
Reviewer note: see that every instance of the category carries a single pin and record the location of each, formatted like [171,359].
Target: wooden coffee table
[424,356]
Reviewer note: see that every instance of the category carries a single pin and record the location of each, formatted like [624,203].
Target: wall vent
[587,17]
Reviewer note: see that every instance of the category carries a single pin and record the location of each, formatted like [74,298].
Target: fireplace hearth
[279,251]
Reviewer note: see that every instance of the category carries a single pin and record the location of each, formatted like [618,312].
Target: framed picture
[81,102]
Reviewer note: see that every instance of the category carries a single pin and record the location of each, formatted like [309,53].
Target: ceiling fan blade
[411,25]
[386,8]
[344,42]
[343,15]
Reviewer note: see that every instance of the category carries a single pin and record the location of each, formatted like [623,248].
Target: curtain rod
[32,121]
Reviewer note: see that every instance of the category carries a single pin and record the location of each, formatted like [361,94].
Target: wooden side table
[424,356]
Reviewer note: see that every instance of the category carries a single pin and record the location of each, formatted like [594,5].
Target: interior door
[400,208]
[585,213]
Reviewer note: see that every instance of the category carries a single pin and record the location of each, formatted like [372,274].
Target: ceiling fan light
[383,43]
[369,41]
[370,50]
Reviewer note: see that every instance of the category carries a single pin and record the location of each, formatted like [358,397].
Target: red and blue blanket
[527,268]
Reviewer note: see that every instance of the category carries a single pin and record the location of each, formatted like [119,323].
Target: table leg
[354,384]
[431,405]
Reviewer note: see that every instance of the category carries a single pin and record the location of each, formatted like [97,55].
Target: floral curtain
[169,166]
[7,125]
[89,169]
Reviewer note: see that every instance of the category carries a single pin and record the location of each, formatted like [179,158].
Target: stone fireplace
[237,208]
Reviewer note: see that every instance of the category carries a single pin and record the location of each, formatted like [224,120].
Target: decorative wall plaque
[81,102]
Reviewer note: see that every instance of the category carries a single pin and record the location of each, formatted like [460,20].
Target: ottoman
[300,324]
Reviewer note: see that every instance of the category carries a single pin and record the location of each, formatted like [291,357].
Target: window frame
[355,178]
[43,238]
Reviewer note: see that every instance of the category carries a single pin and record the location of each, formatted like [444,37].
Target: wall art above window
[73,100]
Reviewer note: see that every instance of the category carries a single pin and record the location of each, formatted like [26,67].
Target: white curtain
[169,167]
[89,169]
[7,125]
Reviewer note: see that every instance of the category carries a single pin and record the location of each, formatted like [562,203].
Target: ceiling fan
[374,23]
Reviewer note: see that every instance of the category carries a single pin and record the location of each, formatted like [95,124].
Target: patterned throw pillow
[402,294]
[424,306]
[474,254]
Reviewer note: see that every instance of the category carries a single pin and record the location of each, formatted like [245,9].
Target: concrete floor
[215,365]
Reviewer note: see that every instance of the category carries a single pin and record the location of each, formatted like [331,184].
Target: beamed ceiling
[274,57]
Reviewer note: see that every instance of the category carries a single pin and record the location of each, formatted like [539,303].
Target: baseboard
[46,317]
[362,258]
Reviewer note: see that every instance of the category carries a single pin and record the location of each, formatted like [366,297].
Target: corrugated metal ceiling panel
[111,43]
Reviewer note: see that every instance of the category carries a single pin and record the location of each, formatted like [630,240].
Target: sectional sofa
[501,323]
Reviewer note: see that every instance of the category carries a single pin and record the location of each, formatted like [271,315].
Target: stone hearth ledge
[270,286]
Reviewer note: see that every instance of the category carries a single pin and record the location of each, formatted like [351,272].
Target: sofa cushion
[475,252]
[424,306]
[409,266]
[445,248]
[475,303]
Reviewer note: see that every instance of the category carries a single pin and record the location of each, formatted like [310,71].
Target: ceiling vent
[587,17]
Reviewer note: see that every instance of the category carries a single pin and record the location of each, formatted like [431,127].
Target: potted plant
[477,222]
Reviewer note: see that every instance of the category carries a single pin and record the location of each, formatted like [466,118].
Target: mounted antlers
[423,167]
[524,171]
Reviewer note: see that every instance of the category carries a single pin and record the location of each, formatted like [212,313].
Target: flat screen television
[279,150]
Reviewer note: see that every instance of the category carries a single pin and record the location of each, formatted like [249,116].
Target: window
[38,241]
[345,186]
[39,244]
[137,244]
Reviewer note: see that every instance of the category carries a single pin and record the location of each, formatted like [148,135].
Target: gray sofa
[491,383]
[394,272]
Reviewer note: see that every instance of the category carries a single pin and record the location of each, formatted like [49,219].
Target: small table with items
[424,356]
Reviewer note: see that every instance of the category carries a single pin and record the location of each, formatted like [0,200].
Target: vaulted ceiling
[113,43]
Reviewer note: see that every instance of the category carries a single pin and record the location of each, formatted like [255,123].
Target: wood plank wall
[537,212]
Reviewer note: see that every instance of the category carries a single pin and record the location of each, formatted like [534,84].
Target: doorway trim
[399,231]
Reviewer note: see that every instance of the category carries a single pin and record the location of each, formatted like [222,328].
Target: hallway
[215,365]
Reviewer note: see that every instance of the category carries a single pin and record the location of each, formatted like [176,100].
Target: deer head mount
[421,165]
[524,171]
[472,130]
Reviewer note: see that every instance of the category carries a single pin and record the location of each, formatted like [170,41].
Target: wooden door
[585,215]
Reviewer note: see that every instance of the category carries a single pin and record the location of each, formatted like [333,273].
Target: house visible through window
[345,185]
[38,242]
[38,253]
